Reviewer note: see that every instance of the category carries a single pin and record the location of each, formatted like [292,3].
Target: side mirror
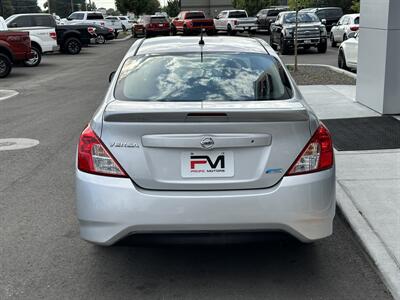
[323,21]
[217,17]
[352,35]
[69,19]
[111,76]
[335,24]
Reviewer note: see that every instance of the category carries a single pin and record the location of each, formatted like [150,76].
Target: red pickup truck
[14,47]
[189,22]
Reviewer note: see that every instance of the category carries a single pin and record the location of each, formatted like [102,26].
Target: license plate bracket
[207,164]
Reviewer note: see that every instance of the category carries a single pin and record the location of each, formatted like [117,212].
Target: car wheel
[72,46]
[134,34]
[185,30]
[322,47]
[344,37]
[333,42]
[230,31]
[36,59]
[100,39]
[283,49]
[123,28]
[342,60]
[173,30]
[115,33]
[5,65]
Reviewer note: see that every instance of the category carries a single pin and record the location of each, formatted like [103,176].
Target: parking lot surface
[42,255]
[310,56]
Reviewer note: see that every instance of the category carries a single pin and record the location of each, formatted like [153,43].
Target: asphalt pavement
[310,56]
[42,255]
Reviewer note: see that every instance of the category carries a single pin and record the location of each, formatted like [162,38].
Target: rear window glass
[357,20]
[94,16]
[158,19]
[237,14]
[273,13]
[195,15]
[208,77]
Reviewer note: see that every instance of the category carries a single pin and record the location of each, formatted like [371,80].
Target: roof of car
[191,44]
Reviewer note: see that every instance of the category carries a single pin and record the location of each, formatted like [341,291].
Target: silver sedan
[211,137]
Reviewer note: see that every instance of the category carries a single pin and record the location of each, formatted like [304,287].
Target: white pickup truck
[41,28]
[95,18]
[233,21]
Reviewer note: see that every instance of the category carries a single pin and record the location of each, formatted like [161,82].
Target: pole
[72,6]
[48,6]
[295,37]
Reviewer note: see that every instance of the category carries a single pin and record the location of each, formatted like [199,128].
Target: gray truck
[311,32]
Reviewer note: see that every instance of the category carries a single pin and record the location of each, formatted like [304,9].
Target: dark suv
[268,16]
[331,15]
[310,33]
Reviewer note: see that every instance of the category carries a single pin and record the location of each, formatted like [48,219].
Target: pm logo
[201,161]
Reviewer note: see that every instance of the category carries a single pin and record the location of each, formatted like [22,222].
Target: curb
[122,40]
[5,94]
[388,269]
[335,69]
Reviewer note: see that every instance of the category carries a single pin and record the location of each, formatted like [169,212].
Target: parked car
[72,37]
[348,52]
[41,28]
[103,34]
[14,47]
[330,15]
[151,26]
[233,21]
[228,145]
[341,30]
[192,22]
[125,23]
[95,18]
[268,16]
[116,23]
[311,32]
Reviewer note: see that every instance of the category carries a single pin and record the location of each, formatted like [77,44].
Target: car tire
[322,47]
[72,46]
[185,30]
[100,39]
[283,48]
[123,28]
[5,65]
[332,39]
[173,30]
[116,33]
[134,34]
[342,64]
[344,37]
[230,31]
[37,58]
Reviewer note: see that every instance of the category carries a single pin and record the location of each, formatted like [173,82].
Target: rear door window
[210,77]
[46,21]
[357,20]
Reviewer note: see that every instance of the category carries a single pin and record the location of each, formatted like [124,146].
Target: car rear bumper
[111,208]
[312,41]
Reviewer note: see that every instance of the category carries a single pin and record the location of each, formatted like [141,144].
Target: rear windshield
[302,17]
[208,77]
[195,15]
[273,13]
[95,16]
[237,14]
[158,20]
[357,20]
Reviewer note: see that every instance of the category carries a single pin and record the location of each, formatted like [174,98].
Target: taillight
[53,35]
[91,30]
[93,156]
[316,156]
[354,28]
[110,30]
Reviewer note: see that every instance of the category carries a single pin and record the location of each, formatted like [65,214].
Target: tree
[112,12]
[172,8]
[356,6]
[91,6]
[25,6]
[138,7]
[253,6]
[6,8]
